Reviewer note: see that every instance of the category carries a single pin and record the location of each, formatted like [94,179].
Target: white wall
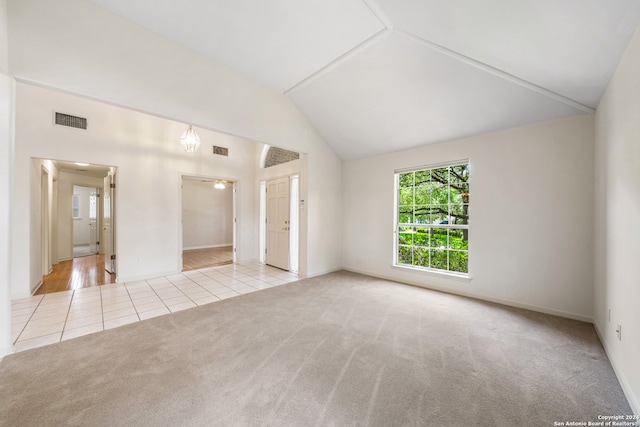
[617,228]
[207,215]
[150,163]
[106,57]
[6,167]
[531,215]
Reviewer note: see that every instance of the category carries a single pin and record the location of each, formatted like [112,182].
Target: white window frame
[398,225]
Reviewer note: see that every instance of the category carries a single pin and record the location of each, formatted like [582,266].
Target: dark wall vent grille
[221,151]
[71,121]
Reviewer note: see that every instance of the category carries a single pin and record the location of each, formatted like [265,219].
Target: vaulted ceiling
[375,76]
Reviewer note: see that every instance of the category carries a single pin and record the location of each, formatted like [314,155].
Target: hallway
[76,273]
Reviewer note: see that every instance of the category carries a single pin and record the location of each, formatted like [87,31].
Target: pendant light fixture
[190,141]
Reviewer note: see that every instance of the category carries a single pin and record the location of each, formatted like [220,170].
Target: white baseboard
[248,261]
[34,290]
[5,351]
[20,296]
[187,248]
[509,303]
[634,401]
[333,270]
[146,276]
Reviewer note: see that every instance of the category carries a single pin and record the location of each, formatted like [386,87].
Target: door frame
[99,218]
[51,167]
[278,229]
[114,171]
[294,235]
[45,223]
[113,216]
[234,221]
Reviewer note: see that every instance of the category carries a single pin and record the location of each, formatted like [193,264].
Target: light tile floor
[47,319]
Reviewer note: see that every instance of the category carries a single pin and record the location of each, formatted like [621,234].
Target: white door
[278,223]
[107,225]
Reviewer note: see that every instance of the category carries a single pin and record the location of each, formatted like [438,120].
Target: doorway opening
[45,219]
[279,222]
[208,222]
[72,227]
[85,207]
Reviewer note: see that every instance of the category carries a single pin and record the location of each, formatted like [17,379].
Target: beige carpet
[341,349]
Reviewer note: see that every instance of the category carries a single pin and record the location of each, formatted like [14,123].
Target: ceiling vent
[70,121]
[220,151]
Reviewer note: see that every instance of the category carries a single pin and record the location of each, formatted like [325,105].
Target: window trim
[396,225]
[462,277]
[75,206]
[431,166]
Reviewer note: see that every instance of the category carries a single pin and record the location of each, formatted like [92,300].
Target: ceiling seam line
[339,60]
[378,13]
[497,72]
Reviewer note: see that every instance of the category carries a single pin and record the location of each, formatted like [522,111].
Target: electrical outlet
[619,332]
[609,315]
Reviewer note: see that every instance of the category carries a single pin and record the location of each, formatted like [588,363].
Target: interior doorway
[59,182]
[208,222]
[109,221]
[85,206]
[45,227]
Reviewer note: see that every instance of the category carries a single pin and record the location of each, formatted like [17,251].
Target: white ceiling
[375,76]
[96,171]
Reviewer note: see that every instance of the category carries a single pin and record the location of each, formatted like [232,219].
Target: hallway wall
[207,215]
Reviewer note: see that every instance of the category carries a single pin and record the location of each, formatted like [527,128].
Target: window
[75,207]
[93,206]
[432,218]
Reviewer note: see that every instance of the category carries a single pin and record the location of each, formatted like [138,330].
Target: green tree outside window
[433,218]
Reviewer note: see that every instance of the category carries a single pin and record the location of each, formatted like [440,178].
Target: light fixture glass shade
[190,141]
[219,185]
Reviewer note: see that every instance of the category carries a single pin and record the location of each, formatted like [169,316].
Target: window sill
[436,273]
